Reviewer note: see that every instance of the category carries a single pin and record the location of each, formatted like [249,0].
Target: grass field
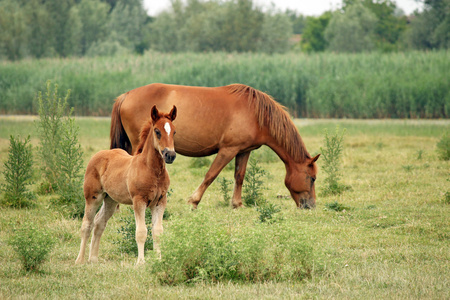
[391,241]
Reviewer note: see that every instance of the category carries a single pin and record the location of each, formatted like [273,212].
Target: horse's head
[300,179]
[164,132]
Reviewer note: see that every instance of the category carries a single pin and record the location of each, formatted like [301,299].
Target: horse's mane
[274,116]
[143,135]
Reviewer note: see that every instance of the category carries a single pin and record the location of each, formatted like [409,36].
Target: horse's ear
[173,113]
[155,113]
[314,159]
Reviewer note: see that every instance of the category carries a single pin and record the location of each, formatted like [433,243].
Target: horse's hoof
[193,203]
[140,262]
[237,205]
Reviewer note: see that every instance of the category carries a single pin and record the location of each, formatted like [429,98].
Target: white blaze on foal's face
[167,128]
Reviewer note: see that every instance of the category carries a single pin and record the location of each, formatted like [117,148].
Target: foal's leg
[239,174]
[92,203]
[139,206]
[224,156]
[157,227]
[102,217]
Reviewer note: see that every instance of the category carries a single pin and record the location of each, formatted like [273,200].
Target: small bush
[224,190]
[18,171]
[336,206]
[267,212]
[332,159]
[33,244]
[253,184]
[127,241]
[443,147]
[202,248]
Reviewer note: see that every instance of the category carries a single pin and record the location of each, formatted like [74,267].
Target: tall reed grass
[375,85]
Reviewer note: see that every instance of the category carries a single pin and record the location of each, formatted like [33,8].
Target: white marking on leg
[167,127]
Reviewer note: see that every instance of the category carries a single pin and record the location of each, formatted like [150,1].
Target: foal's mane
[274,116]
[143,135]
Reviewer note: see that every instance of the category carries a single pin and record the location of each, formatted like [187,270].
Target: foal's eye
[158,133]
[313,179]
[174,132]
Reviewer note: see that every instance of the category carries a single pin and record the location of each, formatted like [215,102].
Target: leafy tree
[275,33]
[313,38]
[351,30]
[94,18]
[431,28]
[298,21]
[13,35]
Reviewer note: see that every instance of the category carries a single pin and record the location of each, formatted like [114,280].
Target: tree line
[67,28]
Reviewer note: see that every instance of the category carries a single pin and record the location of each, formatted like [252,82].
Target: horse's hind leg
[157,227]
[239,174]
[100,221]
[92,203]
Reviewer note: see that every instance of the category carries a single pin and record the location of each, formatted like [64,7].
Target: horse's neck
[152,157]
[280,151]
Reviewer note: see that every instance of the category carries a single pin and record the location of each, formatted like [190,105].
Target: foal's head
[162,135]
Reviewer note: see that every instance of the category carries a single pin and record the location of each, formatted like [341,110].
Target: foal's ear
[314,159]
[155,113]
[173,113]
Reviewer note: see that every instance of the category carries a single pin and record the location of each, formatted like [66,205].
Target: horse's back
[207,116]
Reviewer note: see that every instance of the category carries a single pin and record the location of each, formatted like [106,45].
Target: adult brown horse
[231,121]
[114,176]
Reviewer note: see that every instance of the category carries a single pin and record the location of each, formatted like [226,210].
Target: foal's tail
[118,136]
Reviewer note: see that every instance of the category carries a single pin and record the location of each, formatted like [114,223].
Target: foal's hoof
[140,262]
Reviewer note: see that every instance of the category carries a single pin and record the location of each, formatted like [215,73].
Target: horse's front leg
[224,156]
[157,227]
[139,206]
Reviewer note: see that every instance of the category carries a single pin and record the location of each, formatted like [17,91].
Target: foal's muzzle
[169,155]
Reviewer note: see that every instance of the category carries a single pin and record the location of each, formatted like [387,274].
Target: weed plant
[332,159]
[18,172]
[32,244]
[224,190]
[254,184]
[443,147]
[127,233]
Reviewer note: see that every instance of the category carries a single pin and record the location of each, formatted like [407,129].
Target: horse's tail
[118,136]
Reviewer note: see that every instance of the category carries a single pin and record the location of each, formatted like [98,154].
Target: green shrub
[224,190]
[332,160]
[267,212]
[127,240]
[443,147]
[33,244]
[52,111]
[336,206]
[60,151]
[18,171]
[201,247]
[253,184]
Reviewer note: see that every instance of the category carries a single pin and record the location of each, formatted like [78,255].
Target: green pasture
[390,242]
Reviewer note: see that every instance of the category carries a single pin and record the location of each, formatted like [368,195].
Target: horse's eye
[158,134]
[174,132]
[313,179]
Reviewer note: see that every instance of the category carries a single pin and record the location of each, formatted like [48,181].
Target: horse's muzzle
[307,203]
[169,155]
